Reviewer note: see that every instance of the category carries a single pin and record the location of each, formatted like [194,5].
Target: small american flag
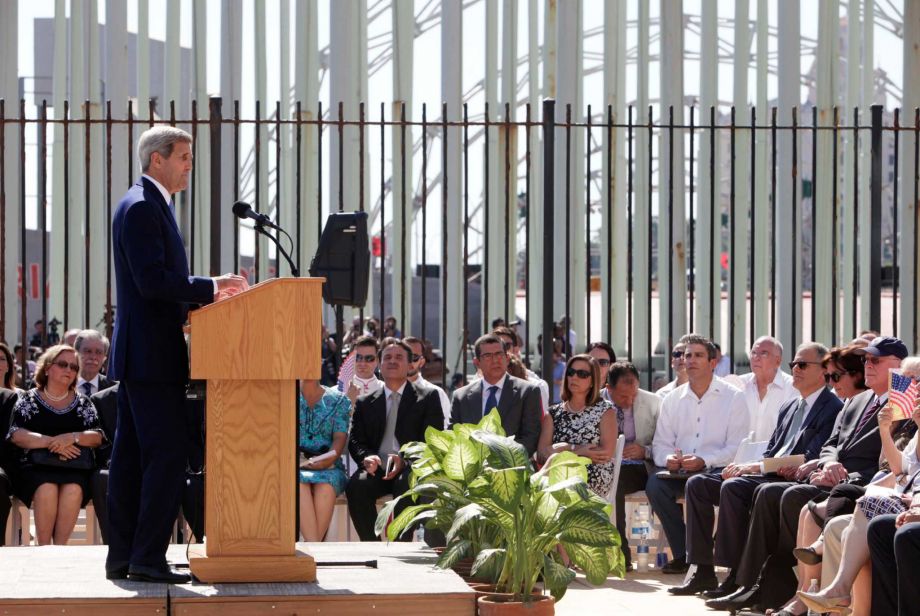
[902,395]
[346,372]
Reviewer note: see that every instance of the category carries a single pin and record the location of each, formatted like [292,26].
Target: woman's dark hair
[848,360]
[594,393]
[606,347]
[9,377]
[618,370]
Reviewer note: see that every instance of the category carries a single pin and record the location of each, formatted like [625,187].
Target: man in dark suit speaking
[150,358]
[385,420]
[517,401]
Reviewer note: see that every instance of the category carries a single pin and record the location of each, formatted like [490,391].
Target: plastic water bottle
[418,535]
[639,530]
[812,588]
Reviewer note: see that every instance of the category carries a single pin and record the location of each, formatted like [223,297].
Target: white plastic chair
[750,450]
[617,464]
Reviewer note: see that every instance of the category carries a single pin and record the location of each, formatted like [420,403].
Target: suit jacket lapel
[475,402]
[506,399]
[378,415]
[164,206]
[853,435]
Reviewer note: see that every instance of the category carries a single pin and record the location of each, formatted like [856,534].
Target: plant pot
[484,589]
[502,605]
[463,567]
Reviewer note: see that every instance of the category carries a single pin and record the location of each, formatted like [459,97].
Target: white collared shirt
[94,382]
[366,386]
[710,427]
[764,414]
[485,392]
[166,196]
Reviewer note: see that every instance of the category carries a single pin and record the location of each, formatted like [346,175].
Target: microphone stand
[261,229]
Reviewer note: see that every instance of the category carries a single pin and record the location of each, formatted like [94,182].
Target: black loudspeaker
[343,259]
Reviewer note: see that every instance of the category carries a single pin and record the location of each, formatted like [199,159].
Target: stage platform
[71,580]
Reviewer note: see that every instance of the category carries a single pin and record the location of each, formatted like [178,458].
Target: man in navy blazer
[150,357]
[804,424]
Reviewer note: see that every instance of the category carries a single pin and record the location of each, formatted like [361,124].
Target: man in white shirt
[365,380]
[416,363]
[699,427]
[93,349]
[766,387]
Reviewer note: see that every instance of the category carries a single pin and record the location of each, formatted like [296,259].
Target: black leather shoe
[746,596]
[807,555]
[116,573]
[159,575]
[677,565]
[724,589]
[698,583]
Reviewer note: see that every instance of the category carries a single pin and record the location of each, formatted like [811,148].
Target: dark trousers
[147,472]
[192,503]
[663,495]
[895,554]
[362,492]
[842,500]
[6,495]
[633,478]
[736,499]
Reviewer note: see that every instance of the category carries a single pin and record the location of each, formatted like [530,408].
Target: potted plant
[512,519]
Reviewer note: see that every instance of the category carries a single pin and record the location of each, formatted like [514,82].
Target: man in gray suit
[517,401]
[637,416]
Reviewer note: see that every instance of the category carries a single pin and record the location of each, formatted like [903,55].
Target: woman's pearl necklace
[48,395]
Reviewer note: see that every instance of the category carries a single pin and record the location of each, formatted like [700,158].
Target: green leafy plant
[511,519]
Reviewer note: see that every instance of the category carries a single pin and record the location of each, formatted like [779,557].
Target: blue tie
[172,208]
[491,401]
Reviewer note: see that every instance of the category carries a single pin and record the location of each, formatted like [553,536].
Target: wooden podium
[251,349]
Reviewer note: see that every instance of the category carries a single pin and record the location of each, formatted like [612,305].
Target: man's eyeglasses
[801,365]
[677,354]
[414,358]
[835,376]
[582,374]
[491,356]
[872,359]
[367,359]
[63,365]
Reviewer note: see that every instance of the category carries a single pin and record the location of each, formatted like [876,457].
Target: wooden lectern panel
[250,463]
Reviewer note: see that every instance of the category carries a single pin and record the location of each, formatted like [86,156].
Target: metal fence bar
[465,272]
[814,218]
[486,210]
[752,332]
[444,180]
[425,217]
[527,214]
[3,214]
[856,272]
[773,221]
[875,241]
[511,237]
[894,236]
[630,301]
[22,235]
[588,338]
[566,345]
[692,234]
[648,329]
[43,213]
[835,303]
[715,285]
[109,316]
[794,180]
[257,260]
[549,186]
[215,119]
[734,266]
[191,192]
[383,237]
[87,227]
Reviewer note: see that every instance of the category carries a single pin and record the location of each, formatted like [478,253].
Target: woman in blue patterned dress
[323,418]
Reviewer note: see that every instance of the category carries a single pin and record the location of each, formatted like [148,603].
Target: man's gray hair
[771,340]
[819,349]
[159,139]
[91,334]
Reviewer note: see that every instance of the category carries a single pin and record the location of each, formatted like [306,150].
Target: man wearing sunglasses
[700,425]
[850,455]
[365,380]
[417,361]
[678,367]
[805,422]
[517,401]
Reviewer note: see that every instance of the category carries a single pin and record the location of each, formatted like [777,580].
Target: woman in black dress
[54,419]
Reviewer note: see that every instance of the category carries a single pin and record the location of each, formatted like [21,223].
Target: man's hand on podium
[229,285]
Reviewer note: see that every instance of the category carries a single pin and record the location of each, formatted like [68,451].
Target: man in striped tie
[850,455]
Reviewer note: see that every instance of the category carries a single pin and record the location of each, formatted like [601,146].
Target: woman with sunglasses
[843,370]
[582,423]
[57,428]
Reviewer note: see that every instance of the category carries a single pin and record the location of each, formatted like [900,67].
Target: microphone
[241,209]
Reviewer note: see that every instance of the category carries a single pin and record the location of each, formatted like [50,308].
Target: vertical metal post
[875,230]
[215,120]
[549,188]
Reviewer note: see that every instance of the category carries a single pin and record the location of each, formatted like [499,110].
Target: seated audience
[678,367]
[582,423]
[384,421]
[850,455]
[8,399]
[70,336]
[700,426]
[57,428]
[637,414]
[323,417]
[894,547]
[603,354]
[517,401]
[365,381]
[766,387]
[93,349]
[513,344]
[805,422]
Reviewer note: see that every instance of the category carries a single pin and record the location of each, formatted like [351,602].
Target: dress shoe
[116,573]
[807,555]
[724,589]
[677,565]
[698,583]
[160,575]
[746,596]
[821,603]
